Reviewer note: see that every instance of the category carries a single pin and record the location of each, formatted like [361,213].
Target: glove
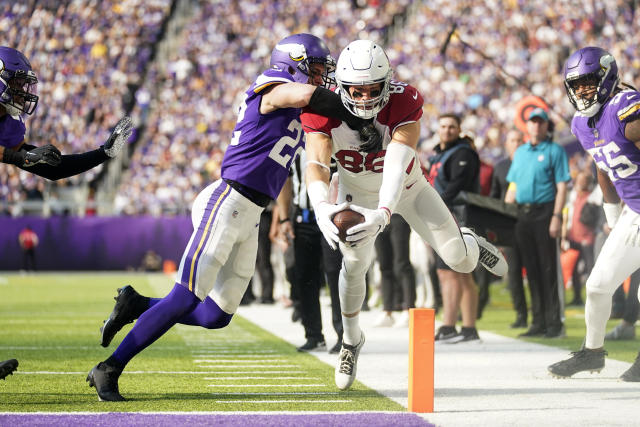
[375,220]
[118,137]
[47,154]
[324,218]
[370,138]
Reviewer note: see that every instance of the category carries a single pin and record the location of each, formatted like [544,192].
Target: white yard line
[205,353]
[284,401]
[261,378]
[154,372]
[282,393]
[227,372]
[266,385]
[257,365]
[234,362]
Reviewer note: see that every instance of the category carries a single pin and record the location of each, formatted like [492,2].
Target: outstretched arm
[322,101]
[47,162]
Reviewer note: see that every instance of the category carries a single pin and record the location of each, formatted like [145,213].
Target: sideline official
[538,183]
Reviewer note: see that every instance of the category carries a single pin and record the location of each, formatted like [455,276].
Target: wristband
[283,220]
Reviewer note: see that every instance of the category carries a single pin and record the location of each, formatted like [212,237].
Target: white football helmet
[363,62]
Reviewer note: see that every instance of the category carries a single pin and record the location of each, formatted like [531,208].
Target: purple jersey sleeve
[612,152]
[12,130]
[263,145]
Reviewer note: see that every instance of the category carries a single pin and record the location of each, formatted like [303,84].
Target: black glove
[371,138]
[47,154]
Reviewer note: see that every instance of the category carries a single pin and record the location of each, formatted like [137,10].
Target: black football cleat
[582,360]
[105,379]
[633,373]
[129,306]
[7,368]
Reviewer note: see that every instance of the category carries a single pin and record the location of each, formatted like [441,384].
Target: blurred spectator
[538,179]
[28,240]
[499,187]
[398,280]
[151,261]
[578,230]
[454,168]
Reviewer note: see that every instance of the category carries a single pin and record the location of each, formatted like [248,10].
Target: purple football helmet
[18,82]
[296,53]
[594,67]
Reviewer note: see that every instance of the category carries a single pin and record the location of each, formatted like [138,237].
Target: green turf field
[50,323]
[499,315]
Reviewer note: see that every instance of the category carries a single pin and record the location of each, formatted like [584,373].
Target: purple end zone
[118,419]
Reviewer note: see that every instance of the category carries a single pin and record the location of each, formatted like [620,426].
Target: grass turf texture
[50,323]
[499,314]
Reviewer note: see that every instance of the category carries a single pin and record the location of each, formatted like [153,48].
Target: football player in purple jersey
[18,84]
[220,257]
[607,124]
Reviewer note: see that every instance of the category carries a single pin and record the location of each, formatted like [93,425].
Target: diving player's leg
[428,215]
[352,289]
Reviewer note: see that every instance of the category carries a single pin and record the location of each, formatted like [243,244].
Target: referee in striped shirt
[298,224]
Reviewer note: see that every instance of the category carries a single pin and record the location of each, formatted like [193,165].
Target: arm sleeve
[464,171]
[396,161]
[72,164]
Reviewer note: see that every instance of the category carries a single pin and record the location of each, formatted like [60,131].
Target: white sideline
[499,382]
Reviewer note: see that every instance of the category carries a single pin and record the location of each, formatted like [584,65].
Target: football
[346,219]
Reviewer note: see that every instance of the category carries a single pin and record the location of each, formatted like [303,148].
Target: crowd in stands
[195,93]
[88,59]
[88,56]
[94,63]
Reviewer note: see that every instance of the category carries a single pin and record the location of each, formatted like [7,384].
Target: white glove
[375,220]
[324,215]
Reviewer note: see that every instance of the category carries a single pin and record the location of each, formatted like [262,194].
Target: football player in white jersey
[377,181]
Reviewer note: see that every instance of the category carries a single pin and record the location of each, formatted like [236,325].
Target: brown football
[346,219]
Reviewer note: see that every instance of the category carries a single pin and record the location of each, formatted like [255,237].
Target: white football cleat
[490,257]
[348,364]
